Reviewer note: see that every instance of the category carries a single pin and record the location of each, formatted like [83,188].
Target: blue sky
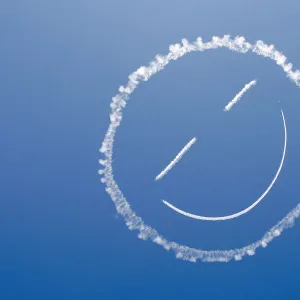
[61,62]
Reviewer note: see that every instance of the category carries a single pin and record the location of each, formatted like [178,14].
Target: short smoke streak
[144,73]
[176,159]
[239,95]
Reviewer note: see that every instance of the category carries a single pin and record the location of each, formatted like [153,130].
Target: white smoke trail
[238,44]
[239,95]
[242,212]
[176,159]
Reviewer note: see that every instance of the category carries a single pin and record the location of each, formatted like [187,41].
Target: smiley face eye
[189,144]
[239,95]
[176,159]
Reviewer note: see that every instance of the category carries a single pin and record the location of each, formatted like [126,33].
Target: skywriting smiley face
[239,44]
[190,143]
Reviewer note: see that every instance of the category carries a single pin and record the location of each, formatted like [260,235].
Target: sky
[61,63]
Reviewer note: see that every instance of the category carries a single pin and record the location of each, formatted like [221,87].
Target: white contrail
[242,212]
[239,95]
[176,159]
[134,222]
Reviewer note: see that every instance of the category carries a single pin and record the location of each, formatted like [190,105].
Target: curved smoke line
[176,159]
[239,95]
[242,212]
[134,222]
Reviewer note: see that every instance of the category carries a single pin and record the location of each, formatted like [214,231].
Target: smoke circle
[144,73]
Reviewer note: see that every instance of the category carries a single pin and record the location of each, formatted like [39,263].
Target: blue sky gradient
[61,62]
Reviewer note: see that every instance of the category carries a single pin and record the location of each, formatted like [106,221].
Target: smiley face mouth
[189,145]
